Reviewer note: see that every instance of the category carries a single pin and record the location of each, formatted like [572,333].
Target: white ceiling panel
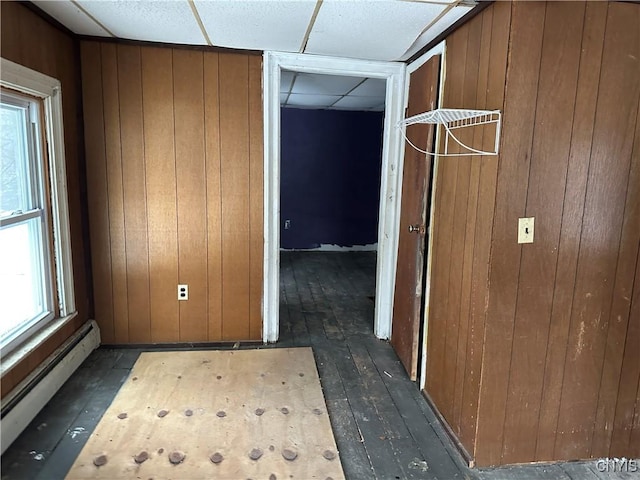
[256,24]
[286,80]
[324,84]
[448,19]
[369,29]
[331,92]
[364,29]
[372,87]
[317,101]
[157,21]
[357,103]
[72,17]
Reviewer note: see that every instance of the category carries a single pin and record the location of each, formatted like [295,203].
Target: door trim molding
[391,181]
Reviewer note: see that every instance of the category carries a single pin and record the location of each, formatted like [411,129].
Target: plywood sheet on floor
[213,400]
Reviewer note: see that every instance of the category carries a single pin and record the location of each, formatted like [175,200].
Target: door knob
[417,229]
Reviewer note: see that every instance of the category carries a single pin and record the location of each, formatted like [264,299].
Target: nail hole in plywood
[216,458]
[329,455]
[141,457]
[289,454]
[176,457]
[255,454]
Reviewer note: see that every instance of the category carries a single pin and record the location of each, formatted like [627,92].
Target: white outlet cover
[183,292]
[525,229]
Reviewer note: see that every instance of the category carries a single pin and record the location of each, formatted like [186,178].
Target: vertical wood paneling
[97,193]
[183,135]
[583,118]
[214,200]
[519,116]
[188,99]
[256,201]
[499,19]
[235,171]
[476,68]
[463,231]
[115,193]
[621,320]
[134,186]
[604,211]
[447,173]
[625,439]
[31,41]
[562,39]
[160,174]
[557,323]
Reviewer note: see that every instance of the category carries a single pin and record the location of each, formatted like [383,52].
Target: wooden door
[416,192]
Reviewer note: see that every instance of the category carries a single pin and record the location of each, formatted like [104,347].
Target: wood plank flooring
[383,427]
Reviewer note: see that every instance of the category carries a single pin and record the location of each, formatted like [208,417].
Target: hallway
[383,427]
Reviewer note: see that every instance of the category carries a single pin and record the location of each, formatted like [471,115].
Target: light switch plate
[525,230]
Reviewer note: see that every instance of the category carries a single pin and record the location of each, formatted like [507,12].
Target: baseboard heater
[24,402]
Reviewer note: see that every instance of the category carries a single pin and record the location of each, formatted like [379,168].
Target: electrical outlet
[287,224]
[183,292]
[525,230]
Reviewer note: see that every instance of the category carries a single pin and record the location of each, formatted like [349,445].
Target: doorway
[391,177]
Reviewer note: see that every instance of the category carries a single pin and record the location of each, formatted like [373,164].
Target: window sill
[23,351]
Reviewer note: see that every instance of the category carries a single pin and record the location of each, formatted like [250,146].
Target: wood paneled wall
[476,61]
[31,41]
[175,174]
[533,349]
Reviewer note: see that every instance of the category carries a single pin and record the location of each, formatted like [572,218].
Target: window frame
[35,84]
[37,214]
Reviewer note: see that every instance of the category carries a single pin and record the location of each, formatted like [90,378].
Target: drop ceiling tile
[72,17]
[286,79]
[157,21]
[376,30]
[324,84]
[283,98]
[357,103]
[256,24]
[372,87]
[448,19]
[317,101]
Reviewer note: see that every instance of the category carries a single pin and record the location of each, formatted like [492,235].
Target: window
[26,283]
[36,285]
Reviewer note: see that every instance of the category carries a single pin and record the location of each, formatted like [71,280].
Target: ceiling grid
[381,30]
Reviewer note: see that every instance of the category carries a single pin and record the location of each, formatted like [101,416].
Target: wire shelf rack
[453,119]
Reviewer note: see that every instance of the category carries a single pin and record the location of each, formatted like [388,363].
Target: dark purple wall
[330,177]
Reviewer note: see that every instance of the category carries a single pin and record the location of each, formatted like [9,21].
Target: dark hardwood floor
[383,427]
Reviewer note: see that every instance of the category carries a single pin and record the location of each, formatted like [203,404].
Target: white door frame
[391,182]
